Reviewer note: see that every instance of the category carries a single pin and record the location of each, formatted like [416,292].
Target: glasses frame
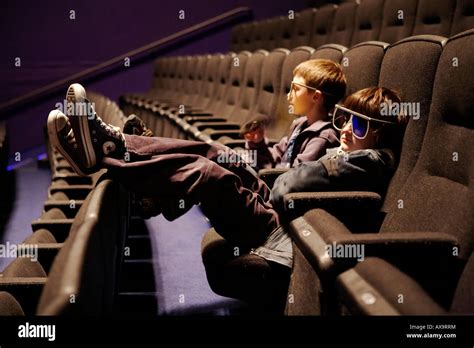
[357,114]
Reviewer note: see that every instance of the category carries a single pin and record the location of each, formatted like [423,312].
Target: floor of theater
[181,287]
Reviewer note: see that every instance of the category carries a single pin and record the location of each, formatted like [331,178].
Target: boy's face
[301,99]
[350,143]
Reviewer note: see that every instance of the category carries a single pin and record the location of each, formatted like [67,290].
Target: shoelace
[109,129]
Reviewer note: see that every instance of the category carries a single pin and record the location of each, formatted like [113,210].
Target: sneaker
[61,136]
[135,126]
[94,137]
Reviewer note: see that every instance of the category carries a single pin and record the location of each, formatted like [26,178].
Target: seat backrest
[260,35]
[434,17]
[437,196]
[240,105]
[280,120]
[209,84]
[322,24]
[343,24]
[413,79]
[85,268]
[368,21]
[9,305]
[303,26]
[236,83]
[463,17]
[237,38]
[287,32]
[463,302]
[222,84]
[332,52]
[361,65]
[272,29]
[247,36]
[398,20]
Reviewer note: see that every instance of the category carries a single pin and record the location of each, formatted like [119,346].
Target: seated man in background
[317,86]
[237,203]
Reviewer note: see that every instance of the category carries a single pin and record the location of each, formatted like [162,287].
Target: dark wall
[52,46]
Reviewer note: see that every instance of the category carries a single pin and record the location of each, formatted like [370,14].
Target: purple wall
[52,46]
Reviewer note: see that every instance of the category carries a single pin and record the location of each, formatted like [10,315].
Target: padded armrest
[319,233]
[354,208]
[374,287]
[271,174]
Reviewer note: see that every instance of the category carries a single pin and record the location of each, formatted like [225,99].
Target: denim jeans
[190,172]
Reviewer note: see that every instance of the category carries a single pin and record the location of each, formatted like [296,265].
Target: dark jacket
[361,170]
[310,145]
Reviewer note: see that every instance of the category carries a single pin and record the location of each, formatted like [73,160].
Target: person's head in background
[318,84]
[363,124]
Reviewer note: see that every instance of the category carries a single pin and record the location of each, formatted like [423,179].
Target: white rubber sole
[54,139]
[76,93]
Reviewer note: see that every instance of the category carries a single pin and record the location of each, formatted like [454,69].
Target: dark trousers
[189,172]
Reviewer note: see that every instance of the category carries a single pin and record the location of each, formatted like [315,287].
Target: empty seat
[86,267]
[361,64]
[237,38]
[368,21]
[287,32]
[9,305]
[414,81]
[303,27]
[434,17]
[398,20]
[343,25]
[322,24]
[463,16]
[332,52]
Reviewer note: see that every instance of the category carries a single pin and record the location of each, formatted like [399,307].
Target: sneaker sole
[77,93]
[53,137]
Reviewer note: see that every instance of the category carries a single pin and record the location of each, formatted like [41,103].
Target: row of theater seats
[353,22]
[428,207]
[79,238]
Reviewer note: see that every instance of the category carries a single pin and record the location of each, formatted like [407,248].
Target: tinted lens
[359,126]
[340,118]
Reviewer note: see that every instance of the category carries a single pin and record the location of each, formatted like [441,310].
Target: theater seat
[9,306]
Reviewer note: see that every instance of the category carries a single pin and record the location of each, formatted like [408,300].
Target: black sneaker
[61,136]
[134,125]
[94,137]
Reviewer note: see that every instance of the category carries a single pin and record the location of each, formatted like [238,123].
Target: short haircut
[369,101]
[325,75]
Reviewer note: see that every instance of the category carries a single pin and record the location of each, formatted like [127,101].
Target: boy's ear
[317,95]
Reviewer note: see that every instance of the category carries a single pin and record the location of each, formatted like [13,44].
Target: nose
[288,95]
[347,129]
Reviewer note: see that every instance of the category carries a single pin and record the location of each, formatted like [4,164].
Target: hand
[255,136]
